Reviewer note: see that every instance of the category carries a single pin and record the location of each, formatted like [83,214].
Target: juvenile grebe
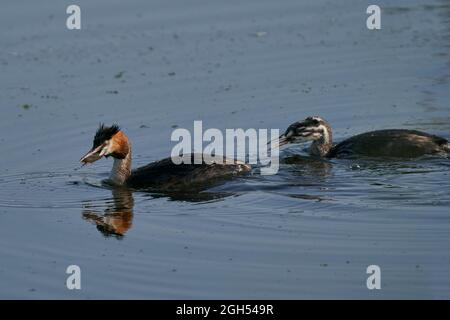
[159,175]
[391,143]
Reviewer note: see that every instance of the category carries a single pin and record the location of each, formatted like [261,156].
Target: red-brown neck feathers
[120,145]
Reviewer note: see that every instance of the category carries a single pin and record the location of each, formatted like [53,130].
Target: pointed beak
[93,155]
[299,134]
[278,143]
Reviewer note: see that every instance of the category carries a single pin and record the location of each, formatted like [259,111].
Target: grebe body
[390,143]
[164,174]
[161,175]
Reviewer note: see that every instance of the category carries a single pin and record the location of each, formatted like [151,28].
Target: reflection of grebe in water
[159,175]
[117,218]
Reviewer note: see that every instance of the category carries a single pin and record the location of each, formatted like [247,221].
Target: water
[308,232]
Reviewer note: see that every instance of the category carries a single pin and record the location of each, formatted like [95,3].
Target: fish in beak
[94,154]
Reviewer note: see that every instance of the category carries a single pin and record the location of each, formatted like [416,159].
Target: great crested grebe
[390,143]
[159,175]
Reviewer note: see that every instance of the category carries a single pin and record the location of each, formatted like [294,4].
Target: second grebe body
[160,175]
[390,143]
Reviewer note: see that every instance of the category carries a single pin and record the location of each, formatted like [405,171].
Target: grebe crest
[104,133]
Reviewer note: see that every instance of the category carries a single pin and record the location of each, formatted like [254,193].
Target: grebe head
[310,129]
[108,141]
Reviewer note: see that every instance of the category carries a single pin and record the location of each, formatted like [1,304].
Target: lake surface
[308,232]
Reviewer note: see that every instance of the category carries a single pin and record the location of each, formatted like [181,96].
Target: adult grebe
[391,143]
[159,175]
